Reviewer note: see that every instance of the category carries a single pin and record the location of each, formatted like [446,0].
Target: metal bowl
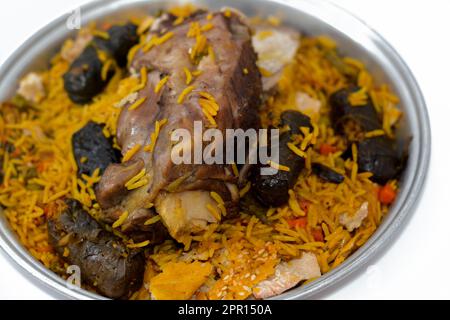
[313,17]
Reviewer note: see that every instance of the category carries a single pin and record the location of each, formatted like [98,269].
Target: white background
[416,266]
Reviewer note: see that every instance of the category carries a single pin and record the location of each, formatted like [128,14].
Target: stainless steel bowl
[354,37]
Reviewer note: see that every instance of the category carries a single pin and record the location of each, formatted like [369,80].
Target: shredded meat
[287,275]
[276,48]
[32,88]
[351,222]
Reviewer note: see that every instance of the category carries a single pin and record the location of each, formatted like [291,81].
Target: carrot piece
[16,153]
[317,234]
[304,204]
[106,26]
[387,194]
[299,222]
[326,149]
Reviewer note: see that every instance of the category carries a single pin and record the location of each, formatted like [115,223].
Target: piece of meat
[352,222]
[308,105]
[104,260]
[92,149]
[276,48]
[222,77]
[32,88]
[129,99]
[185,212]
[113,181]
[110,189]
[273,190]
[288,275]
[73,48]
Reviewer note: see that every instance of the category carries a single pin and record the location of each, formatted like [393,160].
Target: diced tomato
[387,194]
[317,234]
[326,149]
[298,222]
[304,205]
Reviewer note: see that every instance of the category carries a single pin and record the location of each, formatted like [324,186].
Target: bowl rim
[383,236]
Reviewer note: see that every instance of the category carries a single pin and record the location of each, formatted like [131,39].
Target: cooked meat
[111,191]
[237,94]
[129,99]
[92,149]
[327,174]
[105,262]
[112,185]
[73,48]
[378,155]
[165,22]
[121,39]
[84,80]
[308,105]
[351,222]
[273,190]
[185,212]
[276,48]
[32,88]
[137,229]
[287,275]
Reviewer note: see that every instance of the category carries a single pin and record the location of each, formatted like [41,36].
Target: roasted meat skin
[273,190]
[379,155]
[105,262]
[237,94]
[91,145]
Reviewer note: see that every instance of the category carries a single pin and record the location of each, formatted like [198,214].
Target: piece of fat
[276,48]
[32,88]
[308,105]
[287,275]
[354,221]
[73,48]
[185,213]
